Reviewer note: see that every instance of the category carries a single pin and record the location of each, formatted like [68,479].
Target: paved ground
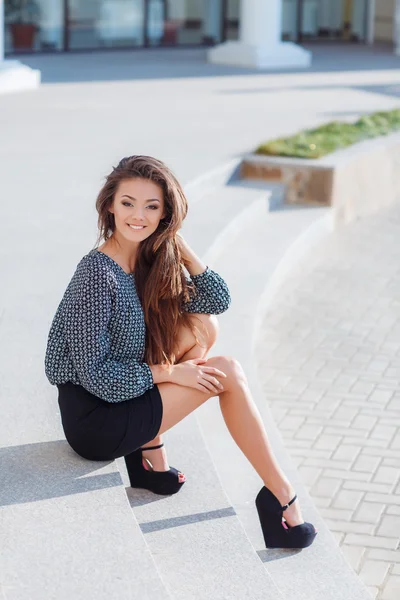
[331,373]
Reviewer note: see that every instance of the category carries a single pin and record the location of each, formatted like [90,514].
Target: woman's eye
[153,206]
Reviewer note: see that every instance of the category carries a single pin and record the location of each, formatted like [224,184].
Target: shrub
[314,143]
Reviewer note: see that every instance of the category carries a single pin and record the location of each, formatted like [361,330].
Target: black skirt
[100,430]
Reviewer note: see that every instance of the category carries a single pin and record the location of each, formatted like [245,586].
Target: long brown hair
[160,281]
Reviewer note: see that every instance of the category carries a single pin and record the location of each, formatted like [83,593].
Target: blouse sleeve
[87,315]
[211,294]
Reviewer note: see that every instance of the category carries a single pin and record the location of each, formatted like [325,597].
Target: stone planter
[356,181]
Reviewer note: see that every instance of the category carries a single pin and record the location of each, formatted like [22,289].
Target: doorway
[341,20]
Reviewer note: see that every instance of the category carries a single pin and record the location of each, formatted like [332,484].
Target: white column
[14,76]
[396,27]
[260,43]
[371,21]
[212,19]
[1,31]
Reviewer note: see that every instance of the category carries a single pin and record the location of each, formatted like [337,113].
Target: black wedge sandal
[142,475]
[276,531]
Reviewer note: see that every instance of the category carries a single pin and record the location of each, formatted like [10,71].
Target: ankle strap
[289,503]
[152,447]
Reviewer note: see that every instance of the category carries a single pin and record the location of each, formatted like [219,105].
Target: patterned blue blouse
[97,337]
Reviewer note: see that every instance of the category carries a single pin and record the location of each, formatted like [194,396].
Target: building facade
[69,25]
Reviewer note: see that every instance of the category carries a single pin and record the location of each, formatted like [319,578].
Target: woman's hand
[189,258]
[191,373]
[184,249]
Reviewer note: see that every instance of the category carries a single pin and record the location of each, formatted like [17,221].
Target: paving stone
[373,572]
[395,445]
[366,442]
[291,422]
[385,498]
[389,453]
[347,499]
[311,452]
[391,591]
[372,541]
[321,501]
[350,526]
[368,464]
[339,514]
[343,431]
[368,512]
[383,432]
[308,432]
[362,387]
[327,442]
[373,590]
[327,463]
[345,414]
[326,487]
[363,422]
[393,510]
[338,537]
[279,414]
[380,396]
[309,474]
[386,475]
[347,452]
[390,526]
[347,475]
[353,555]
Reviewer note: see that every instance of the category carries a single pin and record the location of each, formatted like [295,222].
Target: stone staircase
[71,528]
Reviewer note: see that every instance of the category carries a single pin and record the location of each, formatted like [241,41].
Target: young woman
[128,344]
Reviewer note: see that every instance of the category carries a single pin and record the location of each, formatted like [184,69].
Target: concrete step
[195,537]
[66,527]
[254,261]
[216,217]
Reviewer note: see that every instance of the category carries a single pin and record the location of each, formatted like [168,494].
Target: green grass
[314,143]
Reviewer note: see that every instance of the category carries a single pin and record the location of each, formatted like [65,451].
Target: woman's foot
[292,514]
[159,461]
[157,458]
[281,530]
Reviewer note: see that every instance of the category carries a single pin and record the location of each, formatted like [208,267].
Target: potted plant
[22,16]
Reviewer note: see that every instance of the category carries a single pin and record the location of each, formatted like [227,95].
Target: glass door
[231,20]
[34,26]
[105,23]
[343,20]
[183,22]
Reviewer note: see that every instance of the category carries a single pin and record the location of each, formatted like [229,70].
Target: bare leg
[187,349]
[243,421]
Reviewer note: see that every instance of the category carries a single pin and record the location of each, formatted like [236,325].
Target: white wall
[1,30]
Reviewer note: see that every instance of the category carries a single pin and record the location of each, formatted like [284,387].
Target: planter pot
[170,32]
[23,35]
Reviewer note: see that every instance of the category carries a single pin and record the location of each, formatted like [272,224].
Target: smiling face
[138,207]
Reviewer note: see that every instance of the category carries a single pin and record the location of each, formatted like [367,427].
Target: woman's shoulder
[92,272]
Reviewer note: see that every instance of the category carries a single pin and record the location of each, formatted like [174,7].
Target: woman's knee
[207,329]
[231,367]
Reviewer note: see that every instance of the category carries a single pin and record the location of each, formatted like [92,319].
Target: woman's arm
[88,312]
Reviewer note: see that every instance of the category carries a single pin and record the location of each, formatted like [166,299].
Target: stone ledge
[17,77]
[356,181]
